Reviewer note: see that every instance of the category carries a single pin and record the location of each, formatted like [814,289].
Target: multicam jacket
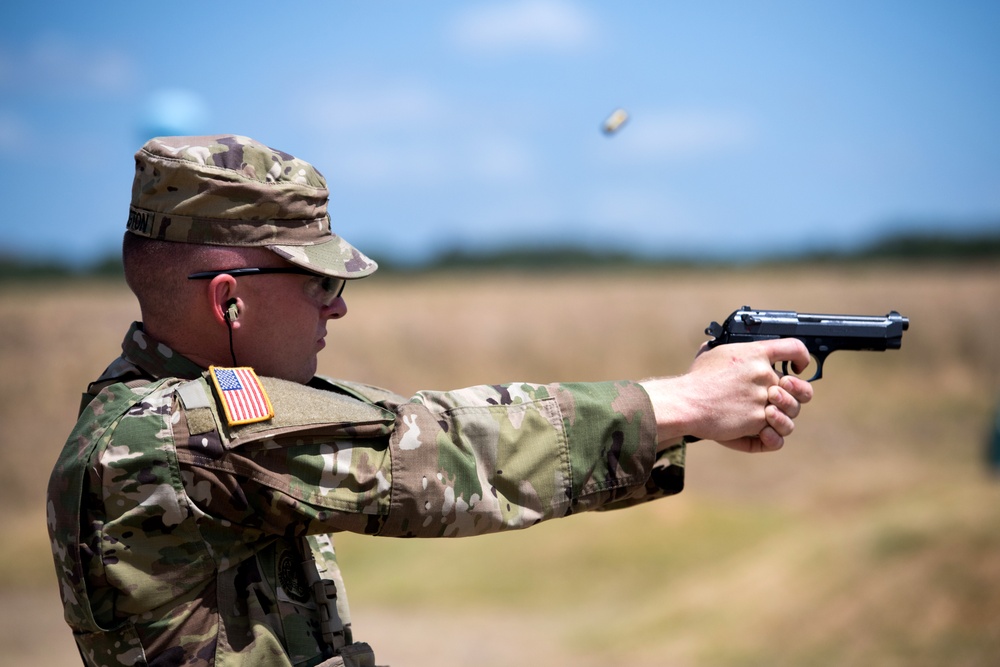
[182,540]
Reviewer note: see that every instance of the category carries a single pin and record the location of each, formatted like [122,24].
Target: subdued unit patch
[197,403]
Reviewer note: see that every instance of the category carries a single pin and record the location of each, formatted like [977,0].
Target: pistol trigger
[819,370]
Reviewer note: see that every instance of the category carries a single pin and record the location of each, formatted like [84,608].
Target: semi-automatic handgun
[822,334]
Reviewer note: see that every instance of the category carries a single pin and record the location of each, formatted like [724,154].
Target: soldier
[191,508]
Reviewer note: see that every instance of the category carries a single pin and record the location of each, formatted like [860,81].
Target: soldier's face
[283,325]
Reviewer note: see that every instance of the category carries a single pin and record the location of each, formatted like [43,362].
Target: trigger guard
[816,375]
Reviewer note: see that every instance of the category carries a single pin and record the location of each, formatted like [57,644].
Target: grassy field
[873,538]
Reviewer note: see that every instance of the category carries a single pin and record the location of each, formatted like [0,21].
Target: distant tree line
[13,267]
[941,246]
[937,246]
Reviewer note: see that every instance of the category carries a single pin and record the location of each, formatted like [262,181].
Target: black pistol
[822,334]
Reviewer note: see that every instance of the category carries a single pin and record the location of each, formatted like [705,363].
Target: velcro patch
[242,395]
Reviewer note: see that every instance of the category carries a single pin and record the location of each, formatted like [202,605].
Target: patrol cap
[233,191]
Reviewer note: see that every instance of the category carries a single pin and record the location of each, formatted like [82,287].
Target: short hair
[156,271]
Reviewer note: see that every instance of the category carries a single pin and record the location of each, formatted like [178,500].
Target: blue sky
[754,126]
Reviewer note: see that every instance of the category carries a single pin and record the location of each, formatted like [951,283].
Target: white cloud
[7,69]
[462,160]
[399,105]
[652,221]
[387,166]
[683,135]
[494,158]
[406,134]
[14,133]
[380,134]
[629,207]
[57,65]
[512,27]
[503,216]
[654,217]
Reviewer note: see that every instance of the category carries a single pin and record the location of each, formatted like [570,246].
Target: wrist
[676,415]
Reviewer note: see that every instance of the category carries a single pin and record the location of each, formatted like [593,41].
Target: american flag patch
[243,396]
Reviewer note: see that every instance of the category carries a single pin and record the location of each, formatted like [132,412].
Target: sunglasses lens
[325,289]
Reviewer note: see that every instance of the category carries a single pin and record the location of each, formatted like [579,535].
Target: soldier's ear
[222,299]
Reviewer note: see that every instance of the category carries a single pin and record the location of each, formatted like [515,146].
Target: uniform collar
[144,356]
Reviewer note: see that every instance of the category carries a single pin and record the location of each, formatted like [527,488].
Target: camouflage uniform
[180,539]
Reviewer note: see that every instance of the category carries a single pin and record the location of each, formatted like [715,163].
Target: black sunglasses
[325,289]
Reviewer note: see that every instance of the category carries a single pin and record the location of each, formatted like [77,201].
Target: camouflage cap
[234,191]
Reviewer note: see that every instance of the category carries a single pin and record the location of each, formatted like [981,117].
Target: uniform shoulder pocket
[302,410]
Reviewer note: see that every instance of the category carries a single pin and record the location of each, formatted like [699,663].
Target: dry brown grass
[871,539]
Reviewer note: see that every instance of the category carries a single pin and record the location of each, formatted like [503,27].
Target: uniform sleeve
[465,462]
[492,458]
